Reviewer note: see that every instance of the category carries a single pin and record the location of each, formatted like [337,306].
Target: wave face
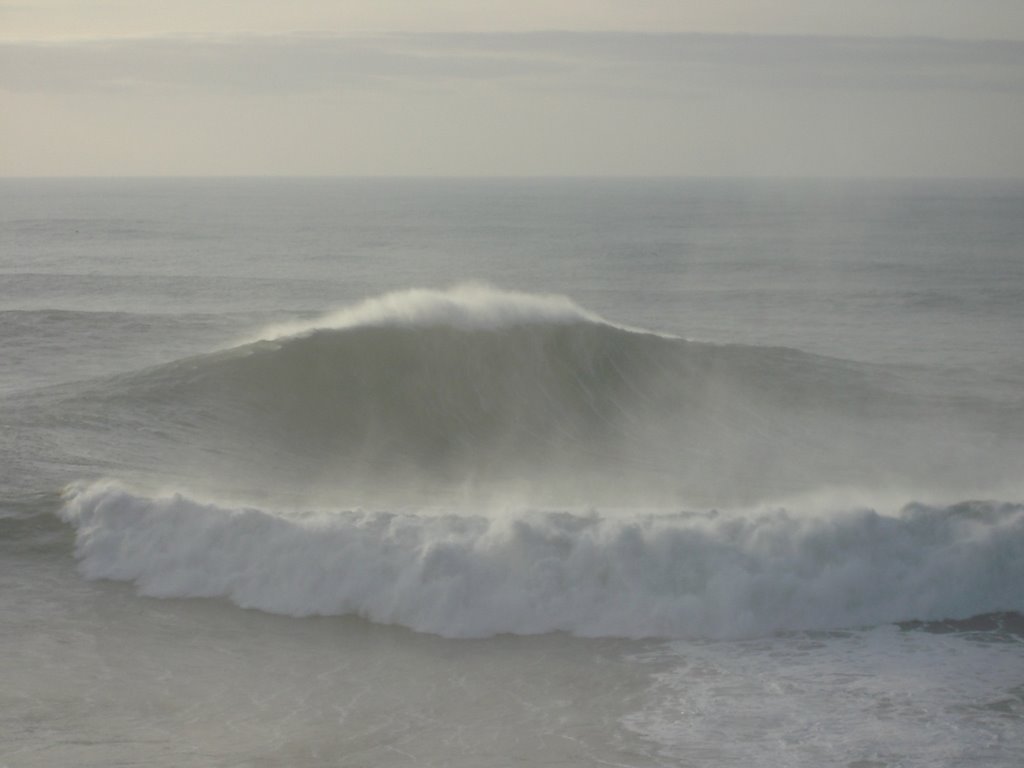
[679,575]
[428,396]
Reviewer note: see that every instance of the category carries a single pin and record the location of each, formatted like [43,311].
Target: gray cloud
[293,63]
[769,60]
[647,63]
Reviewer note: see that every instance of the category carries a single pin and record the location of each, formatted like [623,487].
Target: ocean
[388,472]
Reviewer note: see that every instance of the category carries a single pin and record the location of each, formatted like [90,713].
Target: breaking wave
[463,418]
[429,395]
[671,575]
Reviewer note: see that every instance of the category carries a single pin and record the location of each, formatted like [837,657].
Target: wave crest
[468,306]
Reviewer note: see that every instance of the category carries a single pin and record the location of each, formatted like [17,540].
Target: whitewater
[637,473]
[665,576]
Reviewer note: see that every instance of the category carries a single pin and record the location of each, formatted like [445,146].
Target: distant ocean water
[629,472]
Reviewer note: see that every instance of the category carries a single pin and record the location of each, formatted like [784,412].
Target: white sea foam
[678,575]
[885,696]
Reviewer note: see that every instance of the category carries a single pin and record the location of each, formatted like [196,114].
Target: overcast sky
[474,87]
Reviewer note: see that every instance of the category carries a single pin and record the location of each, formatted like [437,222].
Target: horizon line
[503,177]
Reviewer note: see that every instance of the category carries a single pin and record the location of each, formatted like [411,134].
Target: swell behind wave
[679,575]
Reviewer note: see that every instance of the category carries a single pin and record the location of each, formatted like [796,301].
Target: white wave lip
[681,575]
[468,306]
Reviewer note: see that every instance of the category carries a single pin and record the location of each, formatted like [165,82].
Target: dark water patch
[1007,626]
[29,525]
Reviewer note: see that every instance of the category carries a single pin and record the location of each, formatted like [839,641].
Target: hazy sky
[477,87]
